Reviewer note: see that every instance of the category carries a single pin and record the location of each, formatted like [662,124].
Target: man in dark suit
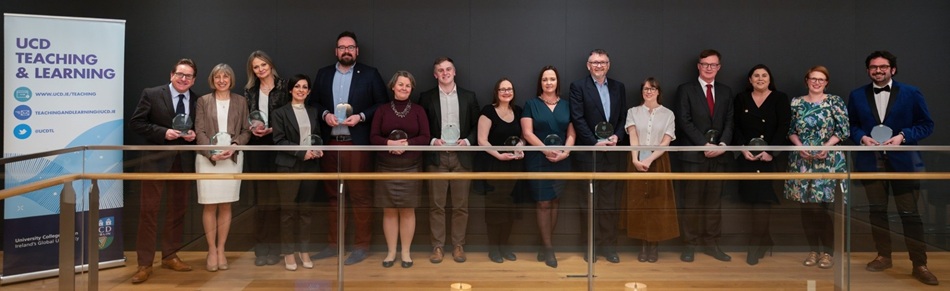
[449,106]
[704,116]
[361,87]
[594,100]
[152,119]
[900,107]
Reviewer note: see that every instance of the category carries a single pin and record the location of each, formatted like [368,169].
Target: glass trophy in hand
[603,131]
[181,123]
[342,111]
[758,141]
[553,140]
[398,134]
[257,119]
[644,154]
[450,134]
[881,133]
[712,136]
[513,141]
[220,139]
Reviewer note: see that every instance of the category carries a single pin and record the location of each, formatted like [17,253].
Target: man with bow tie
[882,104]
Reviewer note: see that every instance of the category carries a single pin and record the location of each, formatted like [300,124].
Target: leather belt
[341,137]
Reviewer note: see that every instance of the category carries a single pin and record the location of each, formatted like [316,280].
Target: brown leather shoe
[436,256]
[922,274]
[880,263]
[176,264]
[142,274]
[458,254]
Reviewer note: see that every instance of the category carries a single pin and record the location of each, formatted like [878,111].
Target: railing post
[92,236]
[67,237]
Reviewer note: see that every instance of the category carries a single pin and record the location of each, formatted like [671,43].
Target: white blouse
[651,126]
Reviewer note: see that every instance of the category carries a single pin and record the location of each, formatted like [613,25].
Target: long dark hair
[749,87]
[557,90]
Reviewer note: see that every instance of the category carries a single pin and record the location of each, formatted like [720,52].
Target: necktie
[885,88]
[709,99]
[180,108]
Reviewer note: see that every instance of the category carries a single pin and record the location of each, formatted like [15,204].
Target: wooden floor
[783,271]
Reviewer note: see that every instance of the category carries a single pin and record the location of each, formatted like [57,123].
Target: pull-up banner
[62,87]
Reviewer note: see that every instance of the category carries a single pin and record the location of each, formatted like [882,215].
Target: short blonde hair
[412,80]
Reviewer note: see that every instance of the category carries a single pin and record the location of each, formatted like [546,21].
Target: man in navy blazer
[360,86]
[152,119]
[596,99]
[901,108]
[704,118]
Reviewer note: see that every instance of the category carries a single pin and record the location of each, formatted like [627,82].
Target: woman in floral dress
[818,119]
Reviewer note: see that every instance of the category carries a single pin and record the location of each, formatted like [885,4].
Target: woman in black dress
[762,114]
[498,123]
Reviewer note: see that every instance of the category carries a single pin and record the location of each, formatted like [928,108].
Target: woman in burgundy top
[399,198]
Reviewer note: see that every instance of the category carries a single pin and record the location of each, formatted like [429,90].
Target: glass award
[758,141]
[314,140]
[181,123]
[881,133]
[603,131]
[644,154]
[342,111]
[511,142]
[221,139]
[712,136]
[450,134]
[398,134]
[553,140]
[257,119]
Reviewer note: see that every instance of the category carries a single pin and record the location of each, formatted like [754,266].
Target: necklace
[404,112]
[550,103]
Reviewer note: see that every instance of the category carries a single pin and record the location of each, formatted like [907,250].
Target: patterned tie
[180,108]
[709,99]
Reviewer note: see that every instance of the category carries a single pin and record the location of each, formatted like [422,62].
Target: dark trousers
[818,227]
[266,227]
[702,205]
[173,228]
[295,217]
[360,193]
[905,193]
[607,196]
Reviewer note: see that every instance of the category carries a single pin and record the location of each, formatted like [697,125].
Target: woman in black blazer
[289,122]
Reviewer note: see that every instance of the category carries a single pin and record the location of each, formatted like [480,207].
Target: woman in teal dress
[546,120]
[818,119]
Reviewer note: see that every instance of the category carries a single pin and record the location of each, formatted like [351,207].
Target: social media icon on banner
[22,112]
[22,131]
[23,94]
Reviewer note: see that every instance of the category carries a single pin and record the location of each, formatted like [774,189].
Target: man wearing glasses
[598,111]
[347,93]
[156,118]
[890,113]
[704,117]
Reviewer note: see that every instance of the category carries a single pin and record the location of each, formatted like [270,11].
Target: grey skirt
[397,193]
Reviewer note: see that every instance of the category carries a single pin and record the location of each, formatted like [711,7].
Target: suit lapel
[167,96]
[869,95]
[436,106]
[592,89]
[895,91]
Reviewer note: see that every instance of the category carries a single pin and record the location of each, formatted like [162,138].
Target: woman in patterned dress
[818,119]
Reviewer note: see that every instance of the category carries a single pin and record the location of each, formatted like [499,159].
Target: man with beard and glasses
[900,107]
[361,88]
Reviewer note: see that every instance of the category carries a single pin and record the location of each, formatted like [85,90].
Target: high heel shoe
[292,265]
[305,261]
[752,257]
[224,265]
[550,259]
[210,267]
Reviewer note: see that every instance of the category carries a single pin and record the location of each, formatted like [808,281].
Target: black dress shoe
[689,254]
[586,259]
[388,264]
[260,261]
[541,256]
[922,274]
[495,256]
[508,255]
[550,260]
[406,264]
[272,260]
[611,257]
[715,252]
[653,249]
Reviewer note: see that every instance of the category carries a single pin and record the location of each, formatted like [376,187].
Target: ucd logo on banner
[22,94]
[106,232]
[22,131]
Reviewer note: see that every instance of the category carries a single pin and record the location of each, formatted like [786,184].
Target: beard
[347,61]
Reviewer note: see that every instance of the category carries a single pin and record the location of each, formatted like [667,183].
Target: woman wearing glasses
[762,115]
[547,121]
[221,118]
[498,125]
[818,119]
[295,124]
[399,123]
[650,204]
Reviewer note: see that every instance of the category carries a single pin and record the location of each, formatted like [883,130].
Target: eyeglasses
[708,66]
[817,80]
[650,89]
[184,76]
[506,90]
[598,63]
[882,68]
[349,48]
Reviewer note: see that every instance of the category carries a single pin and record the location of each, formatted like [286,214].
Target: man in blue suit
[704,117]
[360,86]
[596,99]
[902,108]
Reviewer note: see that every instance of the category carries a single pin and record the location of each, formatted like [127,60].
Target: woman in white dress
[221,119]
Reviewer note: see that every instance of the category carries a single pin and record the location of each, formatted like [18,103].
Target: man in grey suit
[453,114]
[596,99]
[704,116]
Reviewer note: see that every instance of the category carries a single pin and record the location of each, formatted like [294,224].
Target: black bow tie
[885,88]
